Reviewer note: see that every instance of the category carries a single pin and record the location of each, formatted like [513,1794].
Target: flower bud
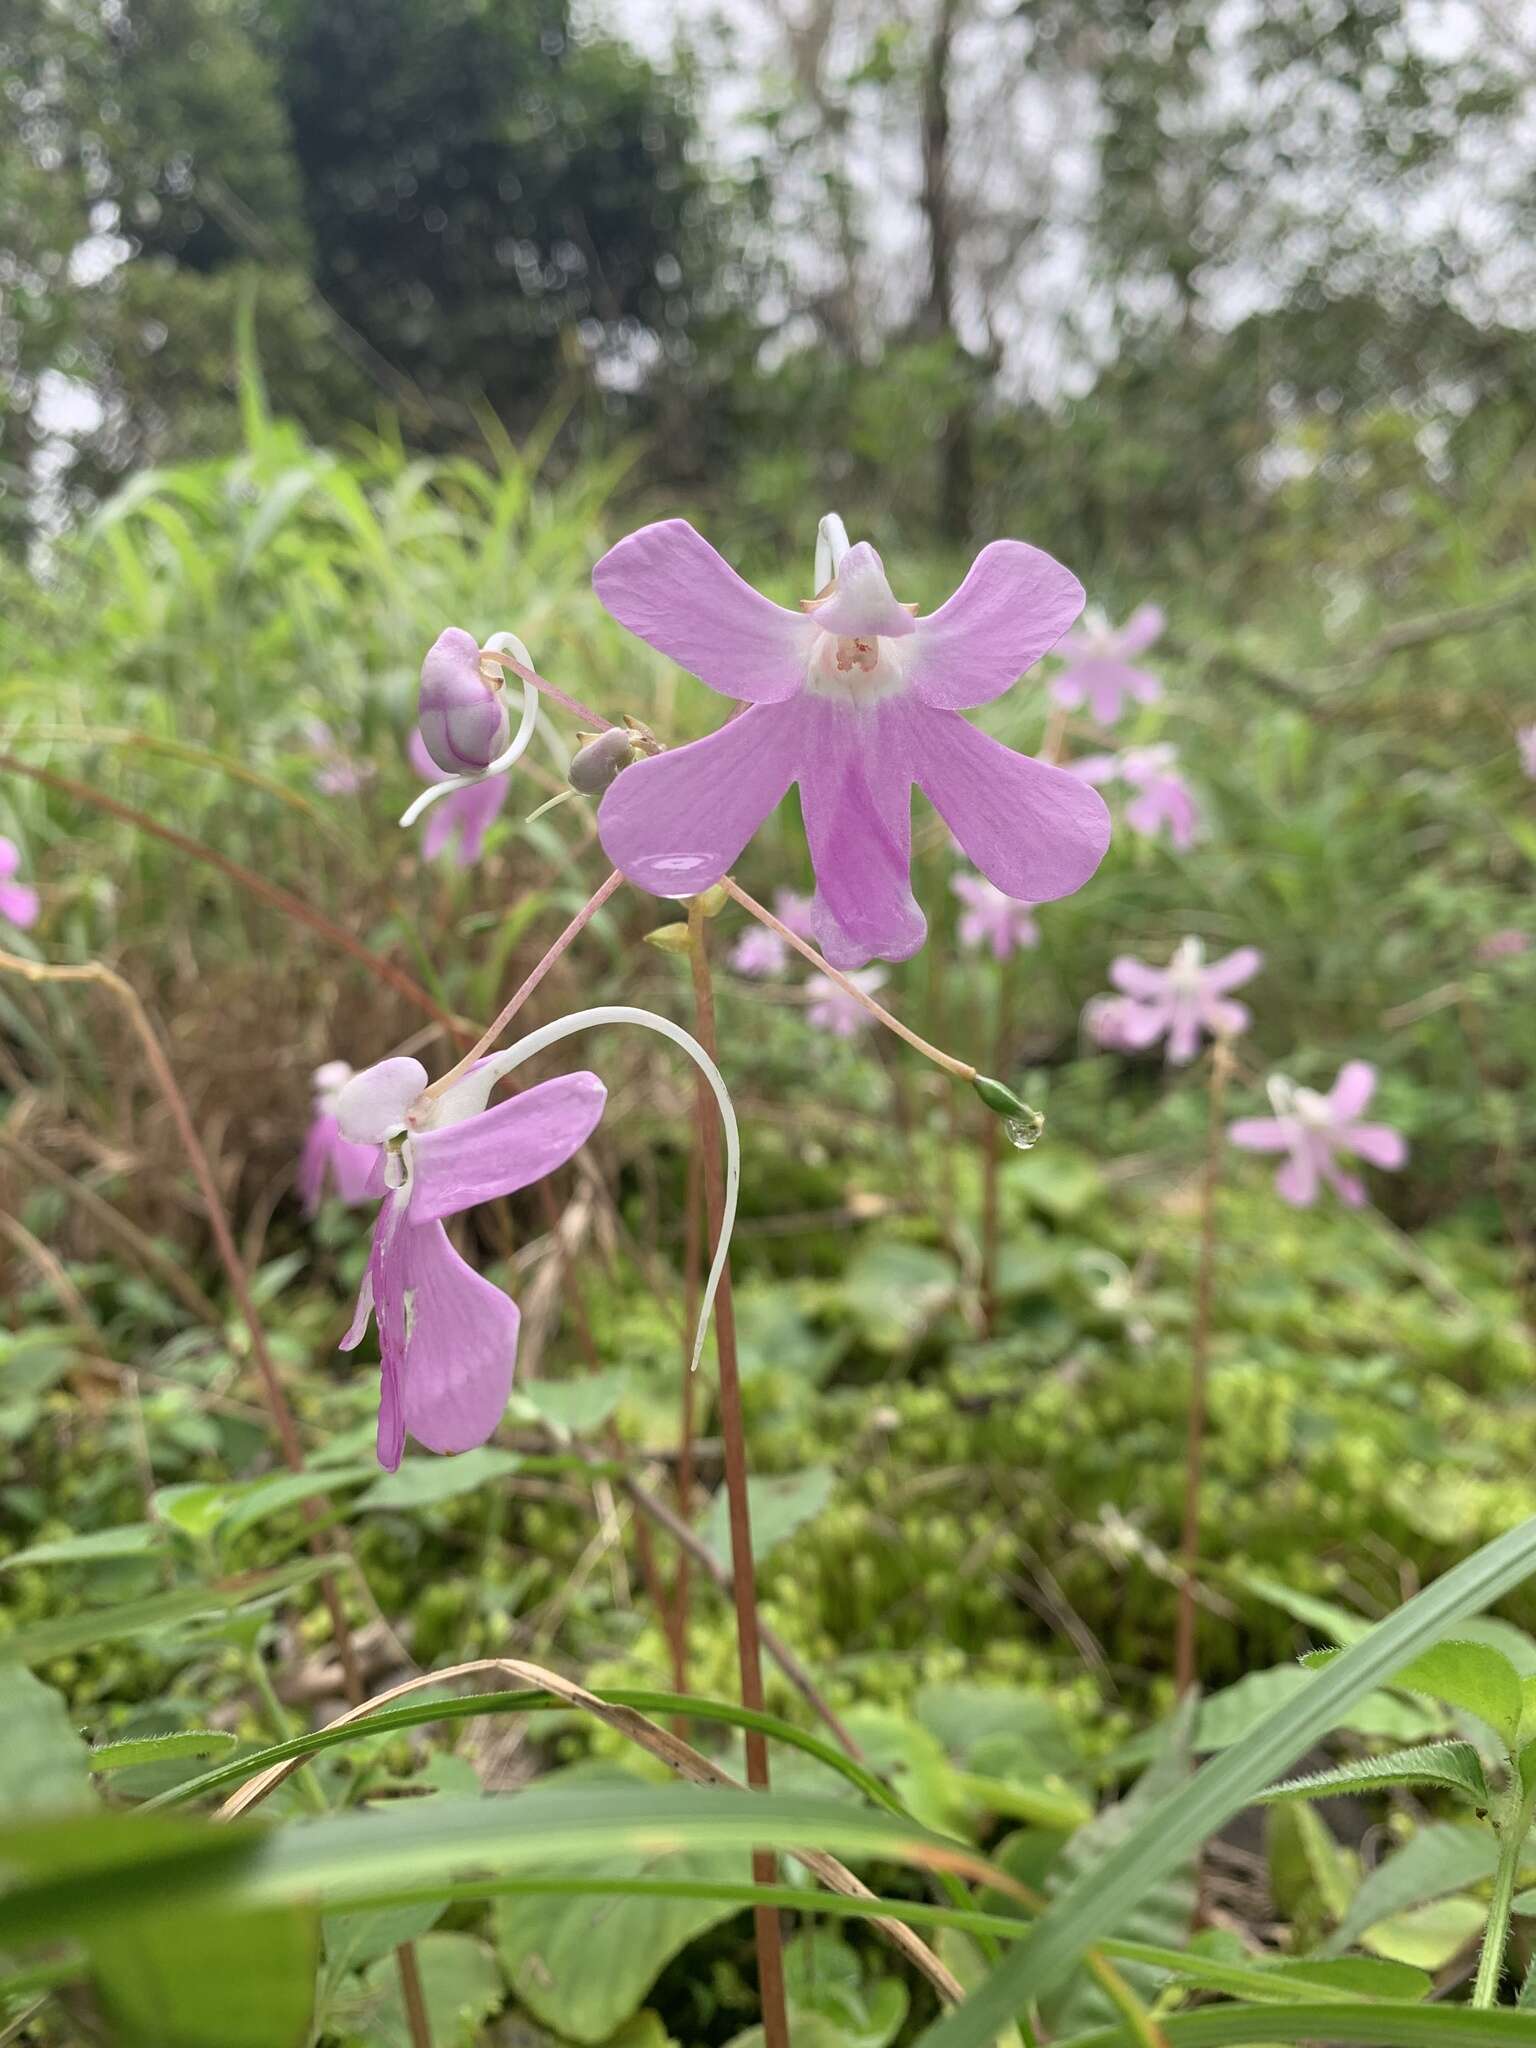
[462,718]
[600,760]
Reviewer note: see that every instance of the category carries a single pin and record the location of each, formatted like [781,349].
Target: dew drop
[1025,1132]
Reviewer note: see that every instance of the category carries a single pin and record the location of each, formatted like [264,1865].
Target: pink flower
[466,813]
[992,919]
[1162,797]
[855,699]
[461,714]
[760,952]
[447,1338]
[1502,945]
[327,1155]
[1525,740]
[1108,1022]
[339,773]
[1098,670]
[833,1009]
[1180,1001]
[1311,1129]
[18,902]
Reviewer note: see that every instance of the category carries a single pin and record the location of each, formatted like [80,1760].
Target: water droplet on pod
[1025,1132]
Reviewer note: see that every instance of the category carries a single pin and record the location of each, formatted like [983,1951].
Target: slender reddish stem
[574,705]
[1185,1667]
[413,1997]
[991,1154]
[770,1951]
[520,995]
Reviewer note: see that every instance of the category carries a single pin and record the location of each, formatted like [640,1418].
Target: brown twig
[412,1995]
[256,885]
[1185,1670]
[770,1948]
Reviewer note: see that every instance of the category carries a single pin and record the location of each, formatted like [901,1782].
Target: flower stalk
[1512,1837]
[770,1952]
[1185,1667]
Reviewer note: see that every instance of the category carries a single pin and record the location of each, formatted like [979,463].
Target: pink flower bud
[462,718]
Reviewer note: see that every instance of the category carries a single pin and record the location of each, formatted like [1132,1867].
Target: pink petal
[1067,691]
[675,823]
[311,1175]
[502,1149]
[372,1106]
[1232,970]
[1352,1090]
[1183,1035]
[856,796]
[1034,830]
[1094,768]
[1260,1134]
[862,605]
[1376,1144]
[1297,1182]
[1138,979]
[1138,1025]
[1141,684]
[421,760]
[10,858]
[467,814]
[19,904]
[1105,683]
[669,586]
[1226,1019]
[1350,1191]
[447,1340]
[1013,606]
[1143,627]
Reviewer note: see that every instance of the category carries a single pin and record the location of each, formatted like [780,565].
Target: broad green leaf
[778,1507]
[269,1496]
[1365,1976]
[1475,1677]
[1312,1877]
[576,1406]
[194,1975]
[1096,1903]
[1438,1860]
[894,1290]
[42,1754]
[461,1987]
[1326,1616]
[133,1539]
[42,1640]
[1000,1730]
[546,1945]
[1227,1716]
[1454,1765]
[354,1940]
[426,1482]
[74,1875]
[1527,1711]
[160,1749]
[1427,1936]
[1381,2025]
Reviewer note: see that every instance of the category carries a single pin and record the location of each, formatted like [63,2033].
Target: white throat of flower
[1297,1105]
[522,739]
[1186,969]
[858,669]
[1095,632]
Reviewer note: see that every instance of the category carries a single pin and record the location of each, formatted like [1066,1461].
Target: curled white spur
[522,739]
[831,546]
[477,1083]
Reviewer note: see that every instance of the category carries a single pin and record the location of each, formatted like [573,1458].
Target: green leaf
[778,1507]
[72,1876]
[1382,2025]
[1227,1716]
[160,1749]
[427,1482]
[894,1290]
[42,1754]
[1326,1616]
[133,1539]
[263,1497]
[1455,1765]
[577,1406]
[43,1640]
[1163,1841]
[354,1940]
[185,1978]
[1438,1860]
[547,1944]
[1475,1677]
[461,1987]
[1428,1936]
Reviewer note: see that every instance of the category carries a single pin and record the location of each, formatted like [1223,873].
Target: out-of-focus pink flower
[1162,799]
[1098,668]
[339,773]
[465,815]
[1312,1129]
[992,919]
[18,901]
[1181,1001]
[833,1009]
[461,713]
[760,951]
[447,1338]
[1503,945]
[328,1157]
[1525,740]
[1108,1024]
[856,700]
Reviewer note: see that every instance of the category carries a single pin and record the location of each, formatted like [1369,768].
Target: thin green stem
[277,1716]
[1490,1967]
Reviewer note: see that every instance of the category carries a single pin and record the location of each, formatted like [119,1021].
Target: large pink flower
[447,1338]
[465,814]
[1312,1129]
[328,1157]
[1098,669]
[1180,1001]
[855,699]
[18,901]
